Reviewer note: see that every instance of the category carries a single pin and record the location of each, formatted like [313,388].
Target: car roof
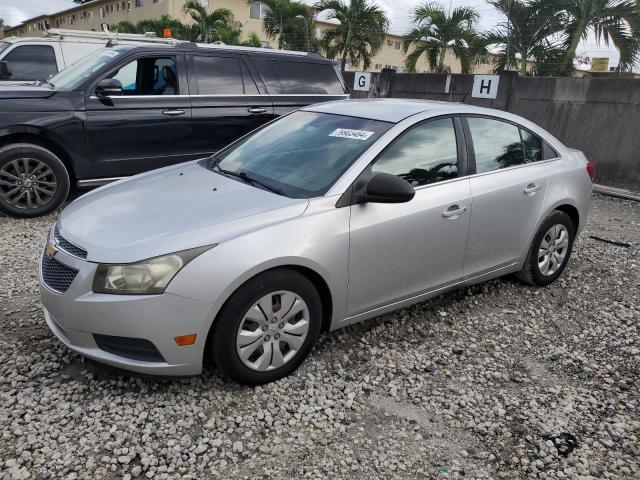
[385,109]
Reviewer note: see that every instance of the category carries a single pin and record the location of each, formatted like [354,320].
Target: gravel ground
[500,380]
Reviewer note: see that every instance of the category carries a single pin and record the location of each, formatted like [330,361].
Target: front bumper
[77,314]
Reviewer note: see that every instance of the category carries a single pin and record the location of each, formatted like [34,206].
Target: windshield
[302,154]
[72,76]
[4,46]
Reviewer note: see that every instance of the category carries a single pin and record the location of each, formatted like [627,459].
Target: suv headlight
[148,277]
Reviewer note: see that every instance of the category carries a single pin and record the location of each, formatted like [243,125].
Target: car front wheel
[33,181]
[549,251]
[267,327]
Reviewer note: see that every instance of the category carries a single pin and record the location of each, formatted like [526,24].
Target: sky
[399,12]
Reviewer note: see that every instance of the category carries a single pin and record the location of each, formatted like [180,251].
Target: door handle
[173,113]
[454,211]
[531,189]
[257,110]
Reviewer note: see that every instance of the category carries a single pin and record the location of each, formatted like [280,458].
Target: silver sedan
[333,214]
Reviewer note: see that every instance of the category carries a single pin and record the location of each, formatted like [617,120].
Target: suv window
[304,77]
[496,144]
[148,76]
[31,62]
[223,76]
[425,154]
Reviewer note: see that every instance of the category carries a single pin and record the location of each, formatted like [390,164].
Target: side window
[496,144]
[31,62]
[532,147]
[148,76]
[218,75]
[425,154]
[304,77]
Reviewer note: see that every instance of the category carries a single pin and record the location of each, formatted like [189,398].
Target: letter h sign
[485,86]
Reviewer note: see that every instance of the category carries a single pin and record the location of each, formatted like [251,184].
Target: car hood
[171,209]
[24,91]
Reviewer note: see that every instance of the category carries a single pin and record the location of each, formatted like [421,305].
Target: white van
[27,59]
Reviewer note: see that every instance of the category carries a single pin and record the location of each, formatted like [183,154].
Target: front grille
[66,245]
[134,348]
[57,276]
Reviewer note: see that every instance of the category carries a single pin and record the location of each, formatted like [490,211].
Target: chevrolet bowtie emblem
[51,250]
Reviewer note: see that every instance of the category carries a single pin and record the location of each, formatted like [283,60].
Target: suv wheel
[267,327]
[33,181]
[549,251]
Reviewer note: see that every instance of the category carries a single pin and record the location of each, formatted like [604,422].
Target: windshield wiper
[44,80]
[246,178]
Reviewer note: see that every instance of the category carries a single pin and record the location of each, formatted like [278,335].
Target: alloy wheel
[553,250]
[273,331]
[27,183]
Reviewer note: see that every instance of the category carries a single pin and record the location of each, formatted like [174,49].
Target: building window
[396,45]
[102,14]
[389,42]
[258,10]
[318,32]
[138,3]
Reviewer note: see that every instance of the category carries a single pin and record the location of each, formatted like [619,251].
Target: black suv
[126,109]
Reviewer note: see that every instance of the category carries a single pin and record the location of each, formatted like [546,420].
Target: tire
[532,272]
[241,313]
[33,181]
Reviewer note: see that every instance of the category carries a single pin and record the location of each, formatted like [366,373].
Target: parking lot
[500,380]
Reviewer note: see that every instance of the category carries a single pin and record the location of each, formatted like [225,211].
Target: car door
[508,191]
[401,250]
[226,102]
[149,125]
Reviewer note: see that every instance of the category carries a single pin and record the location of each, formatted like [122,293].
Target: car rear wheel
[549,251]
[267,327]
[33,181]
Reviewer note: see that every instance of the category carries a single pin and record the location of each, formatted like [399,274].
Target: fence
[600,116]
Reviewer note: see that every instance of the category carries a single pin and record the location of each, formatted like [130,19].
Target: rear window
[304,78]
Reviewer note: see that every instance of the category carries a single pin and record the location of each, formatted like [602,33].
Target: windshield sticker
[348,133]
[110,53]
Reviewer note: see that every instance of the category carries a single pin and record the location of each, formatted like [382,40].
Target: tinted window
[302,154]
[532,146]
[218,75]
[303,77]
[496,144]
[31,62]
[426,154]
[148,76]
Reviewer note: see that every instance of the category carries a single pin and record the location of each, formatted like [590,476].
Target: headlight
[149,277]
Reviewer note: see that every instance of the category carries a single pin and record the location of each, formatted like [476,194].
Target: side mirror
[5,73]
[109,87]
[388,188]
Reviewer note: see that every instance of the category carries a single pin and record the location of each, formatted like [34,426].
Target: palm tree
[360,33]
[436,31]
[252,41]
[283,20]
[157,26]
[611,21]
[528,31]
[213,26]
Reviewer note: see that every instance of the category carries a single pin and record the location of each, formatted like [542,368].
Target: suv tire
[33,180]
[549,251]
[267,327]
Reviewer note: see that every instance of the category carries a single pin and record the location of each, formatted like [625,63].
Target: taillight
[591,170]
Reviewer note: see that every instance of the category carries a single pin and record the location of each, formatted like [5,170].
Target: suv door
[149,125]
[398,251]
[226,100]
[508,190]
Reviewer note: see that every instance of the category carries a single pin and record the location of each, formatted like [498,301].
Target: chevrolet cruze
[327,216]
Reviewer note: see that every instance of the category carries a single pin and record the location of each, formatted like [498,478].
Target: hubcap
[553,250]
[273,331]
[27,183]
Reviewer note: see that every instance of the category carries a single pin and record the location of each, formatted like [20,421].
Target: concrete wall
[600,116]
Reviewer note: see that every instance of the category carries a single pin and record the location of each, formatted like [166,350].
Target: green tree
[212,26]
[157,26]
[528,31]
[436,31]
[283,20]
[360,33]
[124,27]
[252,41]
[611,21]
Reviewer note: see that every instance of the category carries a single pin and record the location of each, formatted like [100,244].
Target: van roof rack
[111,36]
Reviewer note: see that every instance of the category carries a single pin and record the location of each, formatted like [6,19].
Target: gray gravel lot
[500,380]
